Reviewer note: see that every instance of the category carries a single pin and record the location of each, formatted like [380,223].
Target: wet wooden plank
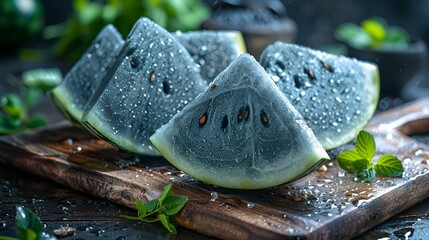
[323,205]
[58,205]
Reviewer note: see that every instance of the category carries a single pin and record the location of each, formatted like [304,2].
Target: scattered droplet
[213,196]
[275,78]
[323,169]
[68,141]
[77,149]
[250,205]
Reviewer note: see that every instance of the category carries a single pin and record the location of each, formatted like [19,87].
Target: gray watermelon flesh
[241,133]
[213,51]
[80,83]
[336,95]
[153,79]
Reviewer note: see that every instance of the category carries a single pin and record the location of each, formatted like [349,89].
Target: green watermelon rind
[315,160]
[105,132]
[62,100]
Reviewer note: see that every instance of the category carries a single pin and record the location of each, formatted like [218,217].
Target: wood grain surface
[326,204]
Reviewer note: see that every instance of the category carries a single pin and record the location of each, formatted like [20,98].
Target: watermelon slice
[336,95]
[242,132]
[153,79]
[80,83]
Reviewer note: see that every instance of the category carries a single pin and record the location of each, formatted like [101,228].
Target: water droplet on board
[250,205]
[68,141]
[77,149]
[213,196]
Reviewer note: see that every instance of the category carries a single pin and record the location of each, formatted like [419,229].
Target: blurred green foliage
[19,21]
[15,108]
[373,33]
[89,17]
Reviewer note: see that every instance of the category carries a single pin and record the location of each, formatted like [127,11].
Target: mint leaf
[389,166]
[29,226]
[361,164]
[151,205]
[43,79]
[32,97]
[366,175]
[160,209]
[164,220]
[141,209]
[172,228]
[365,145]
[173,204]
[36,121]
[12,105]
[167,192]
[8,238]
[360,160]
[345,160]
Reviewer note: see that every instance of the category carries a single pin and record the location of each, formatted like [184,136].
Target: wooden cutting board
[326,204]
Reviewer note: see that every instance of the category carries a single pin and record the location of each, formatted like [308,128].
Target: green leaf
[365,145]
[30,234]
[8,238]
[151,205]
[164,206]
[172,228]
[141,209]
[389,166]
[173,204]
[165,193]
[28,224]
[166,223]
[5,127]
[396,38]
[31,97]
[375,29]
[366,175]
[158,15]
[36,121]
[12,105]
[353,35]
[43,79]
[90,13]
[361,164]
[345,160]
[9,124]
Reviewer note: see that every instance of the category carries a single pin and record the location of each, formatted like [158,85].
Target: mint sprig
[359,160]
[15,109]
[160,209]
[28,226]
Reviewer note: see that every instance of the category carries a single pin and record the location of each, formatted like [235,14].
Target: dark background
[317,20]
